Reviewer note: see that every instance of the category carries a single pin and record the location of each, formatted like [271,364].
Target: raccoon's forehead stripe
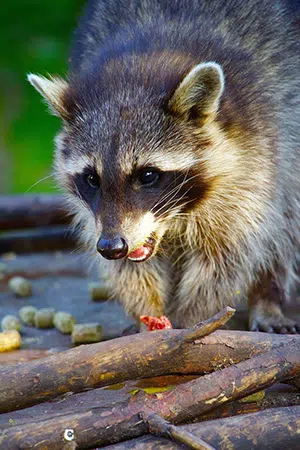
[169,162]
[80,164]
[74,161]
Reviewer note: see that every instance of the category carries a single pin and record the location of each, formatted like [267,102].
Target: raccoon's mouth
[143,252]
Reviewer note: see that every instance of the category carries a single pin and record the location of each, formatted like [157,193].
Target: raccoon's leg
[265,300]
[141,288]
[196,297]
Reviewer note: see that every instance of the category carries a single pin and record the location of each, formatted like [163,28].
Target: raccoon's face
[130,160]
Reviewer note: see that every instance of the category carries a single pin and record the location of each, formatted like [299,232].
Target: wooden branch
[233,382]
[275,429]
[99,427]
[37,240]
[31,210]
[209,326]
[161,427]
[279,395]
[160,353]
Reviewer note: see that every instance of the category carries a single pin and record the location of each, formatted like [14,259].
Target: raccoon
[180,150]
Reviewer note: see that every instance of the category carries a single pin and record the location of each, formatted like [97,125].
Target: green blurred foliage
[35,37]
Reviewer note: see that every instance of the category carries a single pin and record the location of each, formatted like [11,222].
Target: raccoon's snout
[115,248]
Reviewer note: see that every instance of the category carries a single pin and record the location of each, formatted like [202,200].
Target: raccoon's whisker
[78,193]
[185,181]
[176,200]
[173,207]
[162,198]
[39,181]
[177,189]
[79,248]
[183,196]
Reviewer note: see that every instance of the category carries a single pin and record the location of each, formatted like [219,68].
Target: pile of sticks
[95,405]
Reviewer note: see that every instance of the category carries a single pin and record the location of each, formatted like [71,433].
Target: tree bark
[161,427]
[279,395]
[128,358]
[275,429]
[98,427]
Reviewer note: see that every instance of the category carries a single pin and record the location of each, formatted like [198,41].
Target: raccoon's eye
[149,176]
[93,180]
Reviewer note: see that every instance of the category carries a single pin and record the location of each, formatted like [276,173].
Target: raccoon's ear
[199,93]
[53,90]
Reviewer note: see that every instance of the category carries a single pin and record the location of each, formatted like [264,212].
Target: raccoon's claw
[275,329]
[288,329]
[273,323]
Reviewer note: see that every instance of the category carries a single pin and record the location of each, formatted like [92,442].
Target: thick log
[32,210]
[37,240]
[128,358]
[275,429]
[98,427]
[276,396]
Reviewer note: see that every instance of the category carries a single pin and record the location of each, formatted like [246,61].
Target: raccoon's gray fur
[180,147]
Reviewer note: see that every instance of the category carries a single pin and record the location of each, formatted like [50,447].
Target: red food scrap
[156,323]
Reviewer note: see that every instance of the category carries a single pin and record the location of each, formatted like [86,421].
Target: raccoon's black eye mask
[86,185]
[163,189]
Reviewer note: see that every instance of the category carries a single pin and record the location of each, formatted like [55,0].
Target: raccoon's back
[111,28]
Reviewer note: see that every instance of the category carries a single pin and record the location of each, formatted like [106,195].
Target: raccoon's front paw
[269,318]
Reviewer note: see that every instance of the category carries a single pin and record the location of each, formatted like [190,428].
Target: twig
[210,325]
[271,429]
[161,427]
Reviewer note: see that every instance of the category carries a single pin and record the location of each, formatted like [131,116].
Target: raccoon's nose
[115,248]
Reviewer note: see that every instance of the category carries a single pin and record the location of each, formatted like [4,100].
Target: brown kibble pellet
[98,291]
[86,333]
[27,314]
[64,322]
[44,318]
[20,286]
[10,340]
[10,322]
